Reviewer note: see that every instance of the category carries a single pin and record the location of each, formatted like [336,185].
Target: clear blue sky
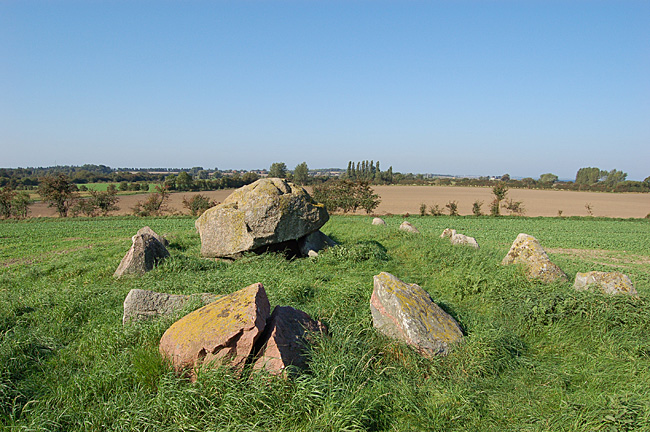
[456,87]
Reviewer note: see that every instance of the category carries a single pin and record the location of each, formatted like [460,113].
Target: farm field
[407,199]
[535,357]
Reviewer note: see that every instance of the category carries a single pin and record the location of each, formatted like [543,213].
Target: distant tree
[105,201]
[184,181]
[250,177]
[647,181]
[500,190]
[505,177]
[124,186]
[548,178]
[59,192]
[301,174]
[7,195]
[346,195]
[589,176]
[278,170]
[20,205]
[614,177]
[476,208]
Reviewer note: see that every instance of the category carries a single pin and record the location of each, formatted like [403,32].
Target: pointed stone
[526,250]
[145,253]
[147,230]
[406,312]
[222,332]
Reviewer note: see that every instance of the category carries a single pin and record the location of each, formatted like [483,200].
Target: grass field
[535,357]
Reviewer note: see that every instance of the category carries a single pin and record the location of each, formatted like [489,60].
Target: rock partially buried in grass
[270,213]
[459,239]
[147,230]
[142,304]
[406,312]
[145,253]
[313,243]
[408,227]
[378,221]
[223,332]
[606,282]
[285,339]
[526,250]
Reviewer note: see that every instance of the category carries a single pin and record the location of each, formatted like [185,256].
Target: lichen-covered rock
[408,227]
[285,340]
[313,243]
[268,212]
[459,239]
[406,312]
[145,253]
[606,282]
[378,221]
[526,250]
[142,304]
[147,230]
[222,332]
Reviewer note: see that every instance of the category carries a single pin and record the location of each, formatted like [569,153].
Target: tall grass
[535,357]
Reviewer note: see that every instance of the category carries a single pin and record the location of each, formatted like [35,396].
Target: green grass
[535,357]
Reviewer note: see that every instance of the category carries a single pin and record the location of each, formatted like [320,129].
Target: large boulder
[606,282]
[145,253]
[285,339]
[526,250]
[311,244]
[142,304]
[222,332]
[406,312]
[265,213]
[408,227]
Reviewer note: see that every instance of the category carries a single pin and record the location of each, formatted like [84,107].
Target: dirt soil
[407,199]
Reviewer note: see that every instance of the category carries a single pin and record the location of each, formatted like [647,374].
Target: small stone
[142,304]
[406,312]
[606,282]
[222,332]
[459,239]
[408,227]
[145,253]
[378,221]
[285,339]
[313,243]
[527,250]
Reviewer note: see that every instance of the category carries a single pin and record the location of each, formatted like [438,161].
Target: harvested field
[407,199]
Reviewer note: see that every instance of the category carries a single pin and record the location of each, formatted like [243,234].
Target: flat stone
[606,282]
[145,253]
[142,304]
[257,216]
[526,250]
[406,312]
[223,332]
[408,227]
[285,340]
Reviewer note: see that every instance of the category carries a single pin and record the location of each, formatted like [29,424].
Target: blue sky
[455,87]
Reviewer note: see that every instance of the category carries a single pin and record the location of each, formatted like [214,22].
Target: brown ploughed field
[407,199]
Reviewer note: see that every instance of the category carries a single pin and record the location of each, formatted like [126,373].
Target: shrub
[476,208]
[435,210]
[198,204]
[105,201]
[13,204]
[590,209]
[154,205]
[452,206]
[59,191]
[514,207]
[83,206]
[500,190]
[423,209]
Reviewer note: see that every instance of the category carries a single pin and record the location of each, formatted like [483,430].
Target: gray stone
[406,312]
[526,250]
[285,339]
[459,239]
[265,213]
[142,304]
[145,253]
[313,243]
[606,282]
[408,227]
[147,230]
[378,221]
